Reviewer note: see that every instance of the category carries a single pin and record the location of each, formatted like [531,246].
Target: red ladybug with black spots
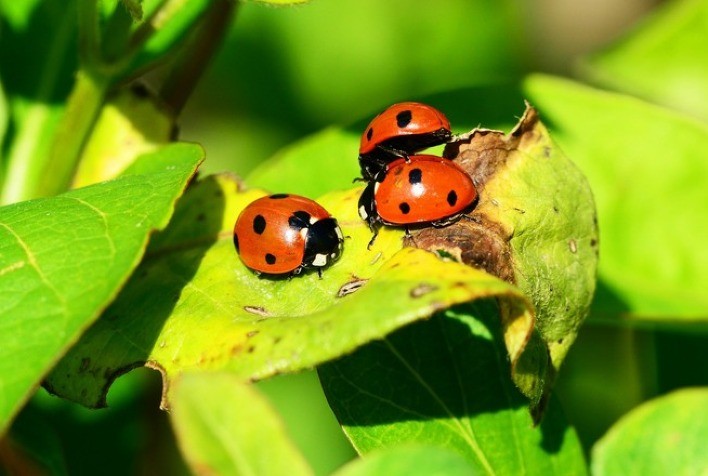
[399,131]
[286,234]
[422,189]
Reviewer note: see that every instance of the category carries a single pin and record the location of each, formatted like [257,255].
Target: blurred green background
[287,72]
[284,73]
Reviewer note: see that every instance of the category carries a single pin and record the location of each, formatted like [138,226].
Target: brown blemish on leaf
[85,362]
[573,246]
[376,258]
[351,287]
[437,306]
[422,289]
[478,243]
[164,402]
[257,310]
[252,333]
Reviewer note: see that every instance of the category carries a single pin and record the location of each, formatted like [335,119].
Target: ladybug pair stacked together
[284,234]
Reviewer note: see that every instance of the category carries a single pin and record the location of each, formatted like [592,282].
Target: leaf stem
[198,52]
[27,152]
[89,33]
[82,109]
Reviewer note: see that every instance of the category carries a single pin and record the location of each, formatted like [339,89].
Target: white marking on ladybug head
[362,212]
[320,260]
[303,233]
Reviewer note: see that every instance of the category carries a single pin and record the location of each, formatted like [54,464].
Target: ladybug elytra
[401,130]
[422,189]
[285,234]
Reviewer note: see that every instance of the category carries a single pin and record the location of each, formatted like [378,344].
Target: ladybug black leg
[358,179]
[319,272]
[408,232]
[375,229]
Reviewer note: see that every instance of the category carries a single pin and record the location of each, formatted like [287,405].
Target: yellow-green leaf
[225,426]
[130,124]
[193,305]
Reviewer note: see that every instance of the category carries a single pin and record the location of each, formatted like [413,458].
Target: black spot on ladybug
[259,224]
[452,198]
[236,241]
[299,219]
[403,118]
[370,133]
[304,216]
[405,208]
[415,176]
[279,196]
[270,259]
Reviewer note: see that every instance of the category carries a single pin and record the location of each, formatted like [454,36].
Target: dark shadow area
[133,436]
[681,359]
[606,303]
[123,337]
[24,60]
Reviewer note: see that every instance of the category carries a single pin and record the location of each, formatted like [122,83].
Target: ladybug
[286,234]
[402,129]
[422,189]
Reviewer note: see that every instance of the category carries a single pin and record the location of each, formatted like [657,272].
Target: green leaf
[409,460]
[37,77]
[225,426]
[63,259]
[534,225]
[646,167]
[445,382]
[193,305]
[312,166]
[663,60]
[32,446]
[663,436]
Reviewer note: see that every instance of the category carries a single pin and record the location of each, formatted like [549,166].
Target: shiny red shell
[424,189]
[404,119]
[265,239]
